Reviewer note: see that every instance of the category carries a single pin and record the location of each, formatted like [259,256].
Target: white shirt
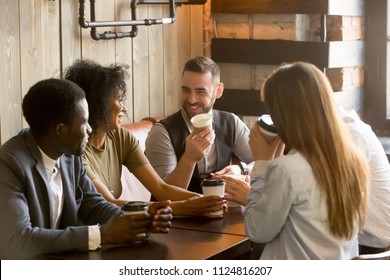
[56,192]
[376,232]
[57,199]
[287,210]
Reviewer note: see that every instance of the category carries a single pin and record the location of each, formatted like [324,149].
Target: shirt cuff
[260,167]
[94,237]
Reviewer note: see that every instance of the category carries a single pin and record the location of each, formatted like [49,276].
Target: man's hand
[228,170]
[199,145]
[125,229]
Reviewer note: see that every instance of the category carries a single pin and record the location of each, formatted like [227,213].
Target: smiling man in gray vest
[182,157]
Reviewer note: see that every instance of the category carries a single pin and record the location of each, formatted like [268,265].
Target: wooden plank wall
[42,38]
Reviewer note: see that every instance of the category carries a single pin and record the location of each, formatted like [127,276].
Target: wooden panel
[275,52]
[70,34]
[330,7]
[124,52]
[156,67]
[184,40]
[50,39]
[171,69]
[102,51]
[177,49]
[196,25]
[30,43]
[10,93]
[375,87]
[140,71]
[241,102]
[247,102]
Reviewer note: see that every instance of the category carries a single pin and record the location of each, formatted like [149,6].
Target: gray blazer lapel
[40,168]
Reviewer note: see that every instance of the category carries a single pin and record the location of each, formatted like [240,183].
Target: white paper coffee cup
[267,127]
[213,187]
[202,121]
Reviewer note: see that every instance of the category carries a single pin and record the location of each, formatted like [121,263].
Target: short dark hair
[99,83]
[203,64]
[50,101]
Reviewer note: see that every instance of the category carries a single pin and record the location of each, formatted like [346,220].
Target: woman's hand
[261,148]
[236,189]
[161,215]
[200,206]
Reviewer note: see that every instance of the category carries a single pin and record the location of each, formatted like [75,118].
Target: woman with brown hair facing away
[310,203]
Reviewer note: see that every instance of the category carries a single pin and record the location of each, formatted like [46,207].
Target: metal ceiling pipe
[93,24]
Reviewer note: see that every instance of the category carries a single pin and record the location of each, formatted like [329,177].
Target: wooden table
[231,223]
[178,244]
[190,238]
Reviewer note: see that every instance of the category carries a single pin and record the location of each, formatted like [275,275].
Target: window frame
[375,85]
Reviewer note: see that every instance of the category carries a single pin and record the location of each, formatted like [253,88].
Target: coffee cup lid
[202,120]
[212,182]
[134,206]
[265,122]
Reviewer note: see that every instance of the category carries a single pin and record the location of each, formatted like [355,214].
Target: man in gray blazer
[47,202]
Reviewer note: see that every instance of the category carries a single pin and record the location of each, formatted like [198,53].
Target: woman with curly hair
[110,146]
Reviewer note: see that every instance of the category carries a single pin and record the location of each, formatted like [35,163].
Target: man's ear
[219,90]
[60,128]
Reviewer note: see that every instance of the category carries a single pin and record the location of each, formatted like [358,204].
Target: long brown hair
[300,101]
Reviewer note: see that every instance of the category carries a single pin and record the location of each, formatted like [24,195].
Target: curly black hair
[99,83]
[49,102]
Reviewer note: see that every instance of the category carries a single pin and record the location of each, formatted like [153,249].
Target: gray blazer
[25,204]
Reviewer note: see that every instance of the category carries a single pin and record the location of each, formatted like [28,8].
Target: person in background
[110,146]
[44,190]
[183,157]
[375,237]
[310,203]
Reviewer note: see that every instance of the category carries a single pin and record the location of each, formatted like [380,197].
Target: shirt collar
[48,162]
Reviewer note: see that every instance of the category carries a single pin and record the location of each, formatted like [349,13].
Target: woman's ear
[219,90]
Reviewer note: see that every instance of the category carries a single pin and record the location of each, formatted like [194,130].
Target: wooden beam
[275,52]
[244,102]
[241,102]
[325,7]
